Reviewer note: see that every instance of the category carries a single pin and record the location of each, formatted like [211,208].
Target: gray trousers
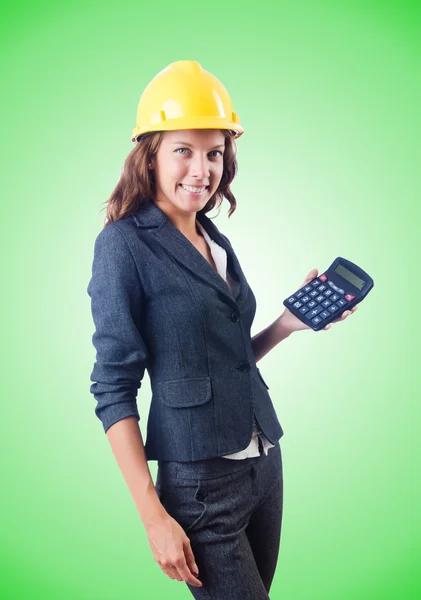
[231,510]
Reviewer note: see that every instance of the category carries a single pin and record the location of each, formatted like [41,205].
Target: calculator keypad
[318,302]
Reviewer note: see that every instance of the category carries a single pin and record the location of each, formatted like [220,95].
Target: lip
[195,184]
[194,193]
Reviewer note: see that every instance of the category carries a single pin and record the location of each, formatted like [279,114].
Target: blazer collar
[152,218]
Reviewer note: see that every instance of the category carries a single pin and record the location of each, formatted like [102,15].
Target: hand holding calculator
[339,288]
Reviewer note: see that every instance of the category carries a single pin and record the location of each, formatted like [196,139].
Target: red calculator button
[323,278]
[349,297]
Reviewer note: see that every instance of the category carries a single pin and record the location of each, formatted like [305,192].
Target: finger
[176,572]
[343,316]
[188,576]
[170,571]
[350,311]
[188,553]
[191,566]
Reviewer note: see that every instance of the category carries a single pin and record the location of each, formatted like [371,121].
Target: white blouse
[220,257]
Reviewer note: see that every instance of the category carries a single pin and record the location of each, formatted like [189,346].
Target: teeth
[193,189]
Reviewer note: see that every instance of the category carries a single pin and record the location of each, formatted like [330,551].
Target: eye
[188,149]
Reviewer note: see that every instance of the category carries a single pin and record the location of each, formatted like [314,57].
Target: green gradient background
[329,94]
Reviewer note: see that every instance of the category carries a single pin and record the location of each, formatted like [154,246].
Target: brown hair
[136,185]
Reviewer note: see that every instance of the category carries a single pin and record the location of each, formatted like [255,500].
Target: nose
[200,167]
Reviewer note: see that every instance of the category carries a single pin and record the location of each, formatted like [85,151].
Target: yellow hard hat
[185,96]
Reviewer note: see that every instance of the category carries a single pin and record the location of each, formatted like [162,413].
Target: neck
[185,222]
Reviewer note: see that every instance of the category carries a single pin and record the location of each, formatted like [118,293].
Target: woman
[168,295]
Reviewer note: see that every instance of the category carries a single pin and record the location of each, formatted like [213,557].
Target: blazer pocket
[263,381]
[182,393]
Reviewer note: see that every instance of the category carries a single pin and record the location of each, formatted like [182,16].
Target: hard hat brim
[189,123]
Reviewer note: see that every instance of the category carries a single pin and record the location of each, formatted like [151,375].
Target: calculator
[339,288]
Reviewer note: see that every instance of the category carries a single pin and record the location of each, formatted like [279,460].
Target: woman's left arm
[286,324]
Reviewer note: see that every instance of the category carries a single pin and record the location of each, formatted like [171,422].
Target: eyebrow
[191,145]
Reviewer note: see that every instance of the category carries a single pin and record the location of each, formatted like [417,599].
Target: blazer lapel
[182,250]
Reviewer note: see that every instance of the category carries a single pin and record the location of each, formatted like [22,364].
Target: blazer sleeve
[116,304]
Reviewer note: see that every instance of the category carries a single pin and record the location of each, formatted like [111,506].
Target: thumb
[312,275]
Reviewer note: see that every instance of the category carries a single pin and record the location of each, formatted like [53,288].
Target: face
[188,157]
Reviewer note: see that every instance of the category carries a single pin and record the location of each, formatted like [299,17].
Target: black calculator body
[324,299]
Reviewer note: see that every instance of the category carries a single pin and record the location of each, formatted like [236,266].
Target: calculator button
[334,297]
[327,303]
[311,304]
[333,308]
[313,293]
[297,304]
[307,288]
[349,297]
[335,287]
[328,293]
[305,299]
[313,312]
[299,294]
[304,309]
[291,299]
[320,298]
[341,302]
[321,288]
[325,314]
[315,282]
[316,320]
[323,277]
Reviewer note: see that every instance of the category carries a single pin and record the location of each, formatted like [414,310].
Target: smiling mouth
[194,189]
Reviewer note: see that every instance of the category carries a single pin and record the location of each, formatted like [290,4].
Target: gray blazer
[157,304]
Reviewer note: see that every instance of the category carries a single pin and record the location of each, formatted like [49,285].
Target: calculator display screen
[349,276]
